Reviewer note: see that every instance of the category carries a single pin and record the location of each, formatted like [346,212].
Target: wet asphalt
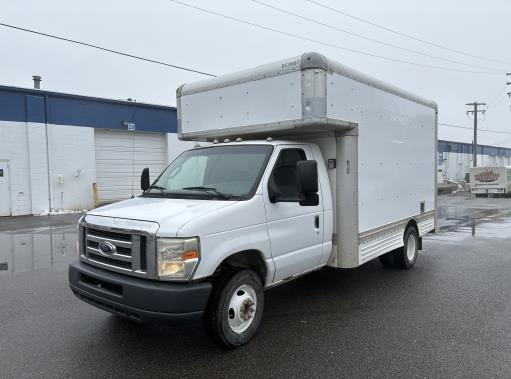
[449,317]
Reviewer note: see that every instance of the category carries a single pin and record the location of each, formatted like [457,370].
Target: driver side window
[284,178]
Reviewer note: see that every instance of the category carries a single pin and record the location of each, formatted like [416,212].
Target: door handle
[316,222]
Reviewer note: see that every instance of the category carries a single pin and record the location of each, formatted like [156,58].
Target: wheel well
[414,224]
[251,259]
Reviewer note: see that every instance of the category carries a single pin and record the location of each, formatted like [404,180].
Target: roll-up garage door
[120,158]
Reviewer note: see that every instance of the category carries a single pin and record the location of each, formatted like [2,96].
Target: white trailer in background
[490,180]
[312,164]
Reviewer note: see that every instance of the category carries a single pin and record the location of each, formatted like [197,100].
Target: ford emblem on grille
[106,248]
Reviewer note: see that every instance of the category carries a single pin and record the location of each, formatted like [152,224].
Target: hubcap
[242,308]
[411,247]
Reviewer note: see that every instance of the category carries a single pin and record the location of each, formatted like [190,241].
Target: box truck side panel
[396,151]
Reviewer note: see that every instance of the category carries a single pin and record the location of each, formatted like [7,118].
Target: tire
[235,308]
[406,256]
[387,260]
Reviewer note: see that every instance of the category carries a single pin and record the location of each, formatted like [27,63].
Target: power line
[105,49]
[407,35]
[369,38]
[470,128]
[499,102]
[502,96]
[241,21]
[289,34]
[497,99]
[454,126]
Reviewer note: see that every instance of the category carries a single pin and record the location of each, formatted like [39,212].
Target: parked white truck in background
[312,164]
[490,180]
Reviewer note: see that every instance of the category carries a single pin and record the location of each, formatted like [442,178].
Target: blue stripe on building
[32,105]
[466,148]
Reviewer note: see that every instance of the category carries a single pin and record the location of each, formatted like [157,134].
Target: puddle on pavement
[32,249]
[455,223]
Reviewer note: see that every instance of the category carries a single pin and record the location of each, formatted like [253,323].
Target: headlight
[177,258]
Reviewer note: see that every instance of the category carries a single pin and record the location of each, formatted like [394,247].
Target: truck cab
[241,202]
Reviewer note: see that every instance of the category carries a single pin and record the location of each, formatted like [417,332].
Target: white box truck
[490,180]
[311,164]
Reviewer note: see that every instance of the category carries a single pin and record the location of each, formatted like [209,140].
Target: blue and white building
[54,146]
[455,158]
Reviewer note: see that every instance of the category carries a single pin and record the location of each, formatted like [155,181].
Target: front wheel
[235,308]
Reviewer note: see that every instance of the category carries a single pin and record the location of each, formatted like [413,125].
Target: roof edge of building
[43,92]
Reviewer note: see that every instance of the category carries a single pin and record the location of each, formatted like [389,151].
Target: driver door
[295,231]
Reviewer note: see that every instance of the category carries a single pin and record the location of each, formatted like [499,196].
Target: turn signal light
[189,255]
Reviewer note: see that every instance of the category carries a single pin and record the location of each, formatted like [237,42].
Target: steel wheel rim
[411,247]
[242,308]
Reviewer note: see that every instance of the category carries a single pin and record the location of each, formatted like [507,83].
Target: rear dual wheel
[406,256]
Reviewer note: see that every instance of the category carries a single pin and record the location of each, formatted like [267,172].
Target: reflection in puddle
[455,223]
[29,250]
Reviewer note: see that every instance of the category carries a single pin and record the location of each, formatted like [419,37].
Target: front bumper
[138,299]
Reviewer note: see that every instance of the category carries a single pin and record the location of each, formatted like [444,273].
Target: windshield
[220,172]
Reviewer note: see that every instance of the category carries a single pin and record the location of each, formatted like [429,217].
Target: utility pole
[475,104]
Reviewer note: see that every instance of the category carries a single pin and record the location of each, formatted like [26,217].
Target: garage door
[120,158]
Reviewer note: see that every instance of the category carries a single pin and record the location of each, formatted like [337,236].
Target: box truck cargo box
[381,139]
[310,164]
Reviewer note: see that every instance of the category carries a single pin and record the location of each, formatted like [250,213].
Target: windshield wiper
[222,195]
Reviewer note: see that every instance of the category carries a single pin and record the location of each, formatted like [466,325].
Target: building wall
[38,166]
[14,147]
[72,167]
[175,147]
[48,140]
[455,158]
[71,153]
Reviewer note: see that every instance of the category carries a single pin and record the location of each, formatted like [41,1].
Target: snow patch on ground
[60,212]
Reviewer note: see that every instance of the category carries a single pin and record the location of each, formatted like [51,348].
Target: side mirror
[307,172]
[144,180]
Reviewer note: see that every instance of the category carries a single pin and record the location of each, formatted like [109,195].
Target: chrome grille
[130,250]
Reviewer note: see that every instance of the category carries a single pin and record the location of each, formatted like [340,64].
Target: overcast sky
[166,31]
